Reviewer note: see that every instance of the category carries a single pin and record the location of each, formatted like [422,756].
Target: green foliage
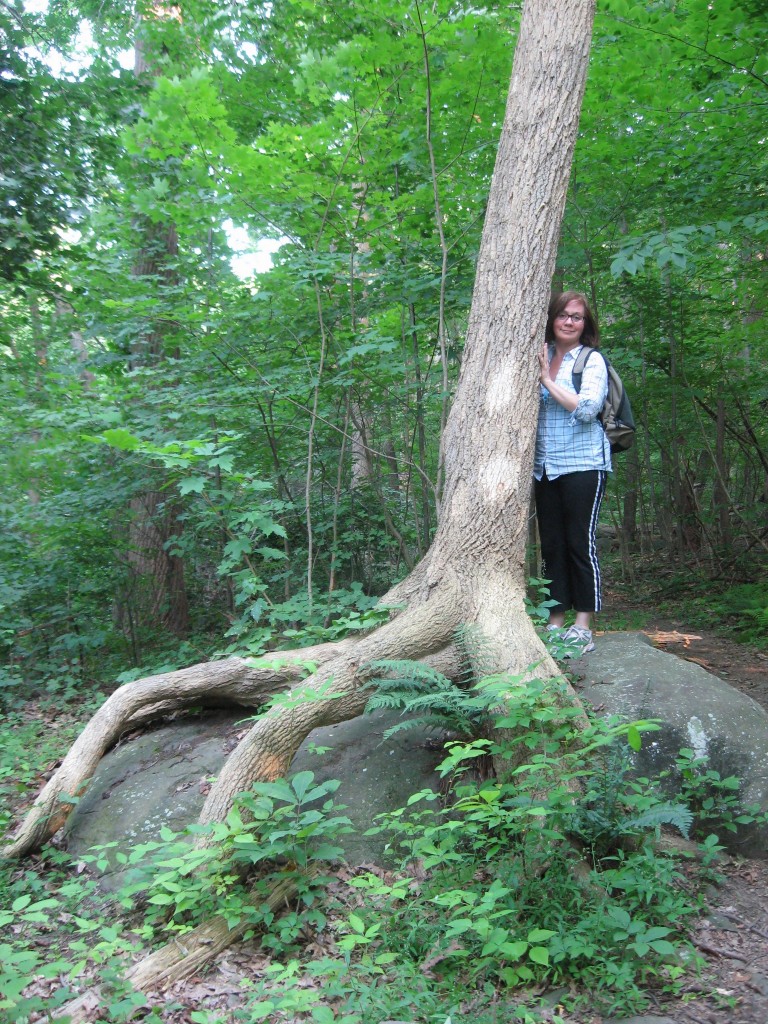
[486,913]
[275,832]
[425,698]
[238,402]
[241,401]
[428,699]
[495,906]
[616,807]
[283,829]
[31,744]
[716,802]
[746,606]
[484,894]
[57,926]
[538,601]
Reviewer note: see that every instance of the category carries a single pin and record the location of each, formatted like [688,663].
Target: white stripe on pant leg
[600,490]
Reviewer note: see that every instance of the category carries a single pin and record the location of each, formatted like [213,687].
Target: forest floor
[731,939]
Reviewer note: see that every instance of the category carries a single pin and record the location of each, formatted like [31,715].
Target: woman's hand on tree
[544,377]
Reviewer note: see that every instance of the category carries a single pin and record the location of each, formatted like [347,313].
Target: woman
[572,460]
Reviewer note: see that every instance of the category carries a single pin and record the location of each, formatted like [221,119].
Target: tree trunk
[474,572]
[158,590]
[157,577]
[720,496]
[362,470]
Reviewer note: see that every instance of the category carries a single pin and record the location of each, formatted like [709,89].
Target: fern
[677,815]
[617,808]
[428,697]
[601,832]
[427,722]
[410,674]
[474,650]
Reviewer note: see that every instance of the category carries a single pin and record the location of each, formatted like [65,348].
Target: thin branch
[311,441]
[749,445]
[320,419]
[444,257]
[692,46]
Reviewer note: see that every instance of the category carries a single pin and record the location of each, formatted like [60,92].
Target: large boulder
[627,676]
[161,777]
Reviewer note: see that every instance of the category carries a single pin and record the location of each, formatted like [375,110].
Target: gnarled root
[233,681]
[266,752]
[335,692]
[180,958]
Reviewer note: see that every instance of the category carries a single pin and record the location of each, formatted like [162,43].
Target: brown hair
[591,333]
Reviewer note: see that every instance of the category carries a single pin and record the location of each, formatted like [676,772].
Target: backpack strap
[581,362]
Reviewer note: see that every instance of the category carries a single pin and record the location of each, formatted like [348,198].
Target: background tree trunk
[157,587]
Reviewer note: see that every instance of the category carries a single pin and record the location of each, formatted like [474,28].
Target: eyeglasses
[577,318]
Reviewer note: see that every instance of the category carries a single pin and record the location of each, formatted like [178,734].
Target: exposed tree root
[267,750]
[333,693]
[233,681]
[179,959]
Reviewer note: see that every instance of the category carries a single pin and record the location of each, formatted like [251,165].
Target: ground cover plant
[546,878]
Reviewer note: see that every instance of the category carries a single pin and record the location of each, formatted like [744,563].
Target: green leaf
[620,916]
[122,439]
[260,1010]
[513,950]
[301,783]
[539,955]
[192,485]
[663,947]
[356,924]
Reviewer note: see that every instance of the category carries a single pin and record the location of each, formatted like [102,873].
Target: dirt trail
[743,667]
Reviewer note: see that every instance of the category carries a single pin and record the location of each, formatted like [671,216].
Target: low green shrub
[545,878]
[746,607]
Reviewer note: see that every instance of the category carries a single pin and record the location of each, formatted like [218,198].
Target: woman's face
[568,330]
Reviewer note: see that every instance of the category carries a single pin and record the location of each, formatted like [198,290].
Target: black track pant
[567,509]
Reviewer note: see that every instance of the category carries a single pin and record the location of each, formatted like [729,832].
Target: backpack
[616,414]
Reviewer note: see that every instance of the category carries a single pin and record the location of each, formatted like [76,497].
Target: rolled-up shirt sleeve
[594,388]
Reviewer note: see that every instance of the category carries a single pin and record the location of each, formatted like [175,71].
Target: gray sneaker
[575,642]
[553,636]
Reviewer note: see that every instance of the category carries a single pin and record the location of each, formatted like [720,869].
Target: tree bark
[177,960]
[474,572]
[157,591]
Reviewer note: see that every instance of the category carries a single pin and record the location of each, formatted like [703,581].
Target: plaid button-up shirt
[570,442]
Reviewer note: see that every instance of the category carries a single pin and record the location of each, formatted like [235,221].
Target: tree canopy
[288,423]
